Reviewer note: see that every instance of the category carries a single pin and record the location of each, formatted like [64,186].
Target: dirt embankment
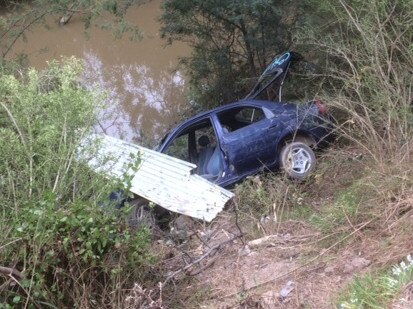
[290,263]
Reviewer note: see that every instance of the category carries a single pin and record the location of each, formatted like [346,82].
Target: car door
[244,139]
[185,143]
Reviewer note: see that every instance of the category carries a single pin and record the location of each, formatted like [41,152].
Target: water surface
[145,88]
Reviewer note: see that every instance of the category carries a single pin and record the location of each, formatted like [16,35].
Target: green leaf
[16,299]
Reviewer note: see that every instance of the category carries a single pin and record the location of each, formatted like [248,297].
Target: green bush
[69,250]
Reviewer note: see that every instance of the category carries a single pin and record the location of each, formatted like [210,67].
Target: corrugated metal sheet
[164,180]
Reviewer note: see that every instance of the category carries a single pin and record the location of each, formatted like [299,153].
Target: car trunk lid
[274,73]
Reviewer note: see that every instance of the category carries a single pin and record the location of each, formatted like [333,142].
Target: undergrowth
[369,194]
[369,86]
[59,248]
[379,289]
[264,202]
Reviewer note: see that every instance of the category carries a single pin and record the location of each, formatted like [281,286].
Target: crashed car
[239,139]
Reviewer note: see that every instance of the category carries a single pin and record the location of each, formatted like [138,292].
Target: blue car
[243,138]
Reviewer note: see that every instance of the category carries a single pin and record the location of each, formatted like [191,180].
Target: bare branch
[11,272]
[211,252]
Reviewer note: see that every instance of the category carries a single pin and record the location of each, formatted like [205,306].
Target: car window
[250,115]
[208,132]
[235,119]
[179,148]
[191,140]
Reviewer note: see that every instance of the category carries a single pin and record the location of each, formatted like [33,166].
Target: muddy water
[145,90]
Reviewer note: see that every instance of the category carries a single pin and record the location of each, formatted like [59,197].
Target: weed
[366,77]
[344,210]
[377,290]
[264,202]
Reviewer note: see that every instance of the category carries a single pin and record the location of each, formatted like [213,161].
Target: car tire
[141,214]
[297,160]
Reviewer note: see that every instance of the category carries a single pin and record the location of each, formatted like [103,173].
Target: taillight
[321,107]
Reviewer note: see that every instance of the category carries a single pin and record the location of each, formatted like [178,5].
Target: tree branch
[11,272]
[213,250]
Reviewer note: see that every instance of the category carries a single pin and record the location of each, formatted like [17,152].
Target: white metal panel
[162,179]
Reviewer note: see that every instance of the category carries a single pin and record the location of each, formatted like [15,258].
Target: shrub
[68,250]
[368,80]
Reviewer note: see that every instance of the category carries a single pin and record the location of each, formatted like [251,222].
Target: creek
[144,86]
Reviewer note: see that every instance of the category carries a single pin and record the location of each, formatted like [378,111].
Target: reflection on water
[145,93]
[139,104]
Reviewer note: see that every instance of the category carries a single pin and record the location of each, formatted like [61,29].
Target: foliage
[371,291]
[69,250]
[20,16]
[232,42]
[264,202]
[368,52]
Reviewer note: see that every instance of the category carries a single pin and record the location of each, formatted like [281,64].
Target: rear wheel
[141,213]
[297,160]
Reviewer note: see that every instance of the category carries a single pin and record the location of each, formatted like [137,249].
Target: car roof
[275,70]
[271,105]
[257,103]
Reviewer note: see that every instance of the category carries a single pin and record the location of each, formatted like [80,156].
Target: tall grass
[368,82]
[369,77]
[263,203]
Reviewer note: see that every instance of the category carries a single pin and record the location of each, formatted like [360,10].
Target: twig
[29,297]
[237,223]
[12,272]
[210,252]
[9,113]
[305,264]
[273,240]
[4,285]
[348,220]
[201,269]
[36,19]
[9,243]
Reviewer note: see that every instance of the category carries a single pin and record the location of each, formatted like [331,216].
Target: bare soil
[244,277]
[297,266]
[293,271]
